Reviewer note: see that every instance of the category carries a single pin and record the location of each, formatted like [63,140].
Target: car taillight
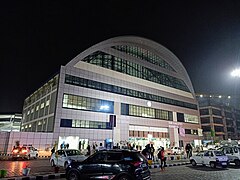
[15,151]
[24,151]
[136,163]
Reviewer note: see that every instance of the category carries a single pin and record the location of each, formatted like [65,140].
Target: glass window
[128,92]
[190,118]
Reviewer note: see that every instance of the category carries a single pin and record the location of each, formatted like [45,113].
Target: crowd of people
[149,151]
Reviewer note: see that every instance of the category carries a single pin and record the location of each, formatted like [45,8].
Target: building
[10,122]
[219,116]
[122,90]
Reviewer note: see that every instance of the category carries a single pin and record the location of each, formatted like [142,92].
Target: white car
[24,152]
[233,153]
[177,150]
[65,156]
[212,158]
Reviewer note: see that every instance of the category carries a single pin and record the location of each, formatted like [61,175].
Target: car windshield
[133,156]
[73,152]
[219,153]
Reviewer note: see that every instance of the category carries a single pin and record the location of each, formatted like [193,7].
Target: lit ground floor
[138,136]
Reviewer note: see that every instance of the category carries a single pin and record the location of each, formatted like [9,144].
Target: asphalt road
[38,167]
[183,172]
[188,172]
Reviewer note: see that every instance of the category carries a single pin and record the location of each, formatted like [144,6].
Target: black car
[111,164]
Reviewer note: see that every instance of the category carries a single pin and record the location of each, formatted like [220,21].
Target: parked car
[177,150]
[113,164]
[213,158]
[24,152]
[233,153]
[65,156]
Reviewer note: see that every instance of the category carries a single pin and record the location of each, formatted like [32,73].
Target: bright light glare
[104,107]
[236,73]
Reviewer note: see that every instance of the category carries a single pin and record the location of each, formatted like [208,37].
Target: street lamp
[236,73]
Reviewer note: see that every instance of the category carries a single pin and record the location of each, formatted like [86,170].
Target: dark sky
[37,37]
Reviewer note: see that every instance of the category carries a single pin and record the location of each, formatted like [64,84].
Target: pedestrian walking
[188,149]
[163,158]
[152,149]
[53,150]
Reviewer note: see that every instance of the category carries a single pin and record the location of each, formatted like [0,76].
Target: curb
[168,165]
[38,177]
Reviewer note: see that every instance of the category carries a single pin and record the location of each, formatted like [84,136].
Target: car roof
[68,150]
[119,150]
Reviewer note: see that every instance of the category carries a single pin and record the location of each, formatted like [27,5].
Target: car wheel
[36,156]
[73,175]
[65,165]
[124,177]
[193,163]
[52,163]
[212,165]
[237,162]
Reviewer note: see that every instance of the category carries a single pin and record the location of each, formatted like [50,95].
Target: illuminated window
[86,103]
[190,118]
[47,103]
[42,105]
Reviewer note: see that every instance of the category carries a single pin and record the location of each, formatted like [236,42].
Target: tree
[212,133]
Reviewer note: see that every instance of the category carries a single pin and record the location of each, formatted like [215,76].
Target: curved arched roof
[151,46]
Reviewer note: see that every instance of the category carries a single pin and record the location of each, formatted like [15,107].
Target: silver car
[65,156]
[212,158]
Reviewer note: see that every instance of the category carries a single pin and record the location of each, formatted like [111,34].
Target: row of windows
[40,108]
[118,64]
[73,80]
[145,55]
[43,125]
[145,134]
[76,123]
[88,104]
[41,92]
[187,118]
[140,111]
[191,131]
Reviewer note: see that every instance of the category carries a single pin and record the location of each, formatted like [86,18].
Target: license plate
[224,163]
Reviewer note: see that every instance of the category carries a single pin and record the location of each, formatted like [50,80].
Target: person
[152,150]
[62,146]
[163,158]
[88,150]
[188,149]
[144,152]
[67,145]
[53,150]
[101,147]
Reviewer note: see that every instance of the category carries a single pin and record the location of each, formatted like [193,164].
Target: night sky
[37,37]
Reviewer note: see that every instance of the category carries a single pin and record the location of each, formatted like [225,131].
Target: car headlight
[70,161]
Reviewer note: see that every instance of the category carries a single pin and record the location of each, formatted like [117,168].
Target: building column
[116,130]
